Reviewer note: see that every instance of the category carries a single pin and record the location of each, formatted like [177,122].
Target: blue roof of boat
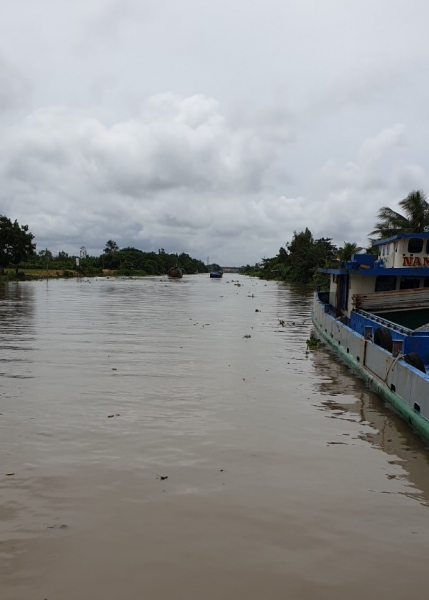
[398,236]
[397,271]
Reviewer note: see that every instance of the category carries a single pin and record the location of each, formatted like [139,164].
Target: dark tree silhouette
[414,220]
[16,242]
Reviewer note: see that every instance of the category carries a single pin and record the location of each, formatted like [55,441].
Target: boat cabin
[393,284]
[404,250]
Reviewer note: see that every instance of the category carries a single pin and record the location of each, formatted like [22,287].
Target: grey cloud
[360,86]
[216,127]
[374,148]
[15,88]
[411,177]
[176,167]
[188,146]
[350,194]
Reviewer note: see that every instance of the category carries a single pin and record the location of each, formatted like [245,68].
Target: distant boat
[175,272]
[216,274]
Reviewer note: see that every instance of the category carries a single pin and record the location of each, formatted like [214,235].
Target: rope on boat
[400,355]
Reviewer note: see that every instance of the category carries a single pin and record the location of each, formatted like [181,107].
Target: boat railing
[385,322]
[413,341]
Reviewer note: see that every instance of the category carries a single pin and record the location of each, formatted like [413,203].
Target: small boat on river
[376,318]
[175,272]
[217,274]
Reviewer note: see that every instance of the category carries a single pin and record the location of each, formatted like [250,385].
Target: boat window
[415,245]
[385,283]
[409,283]
[426,282]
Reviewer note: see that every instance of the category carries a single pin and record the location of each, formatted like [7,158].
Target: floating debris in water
[313,342]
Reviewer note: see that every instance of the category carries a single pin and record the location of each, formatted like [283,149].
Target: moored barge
[376,317]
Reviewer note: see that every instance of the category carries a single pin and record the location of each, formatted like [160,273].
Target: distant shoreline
[40,274]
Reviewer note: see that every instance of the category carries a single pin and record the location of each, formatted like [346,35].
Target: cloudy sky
[213,127]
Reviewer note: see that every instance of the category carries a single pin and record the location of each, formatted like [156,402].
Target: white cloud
[179,167]
[210,126]
[374,148]
[350,194]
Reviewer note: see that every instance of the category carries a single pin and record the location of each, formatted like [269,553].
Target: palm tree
[416,217]
[346,252]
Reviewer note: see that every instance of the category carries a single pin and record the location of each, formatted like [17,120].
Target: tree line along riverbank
[298,262]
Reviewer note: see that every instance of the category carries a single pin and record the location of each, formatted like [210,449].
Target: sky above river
[216,128]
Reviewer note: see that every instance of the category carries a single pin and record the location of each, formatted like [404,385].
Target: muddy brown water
[149,449]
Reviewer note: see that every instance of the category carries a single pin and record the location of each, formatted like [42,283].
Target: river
[168,439]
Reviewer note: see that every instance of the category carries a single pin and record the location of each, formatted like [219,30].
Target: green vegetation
[16,243]
[313,342]
[213,267]
[299,261]
[130,261]
[17,251]
[416,217]
[114,261]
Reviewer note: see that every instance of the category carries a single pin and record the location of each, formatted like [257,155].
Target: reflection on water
[348,398]
[164,438]
[16,314]
[17,329]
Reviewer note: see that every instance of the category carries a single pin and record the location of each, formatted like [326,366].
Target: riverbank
[37,274]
